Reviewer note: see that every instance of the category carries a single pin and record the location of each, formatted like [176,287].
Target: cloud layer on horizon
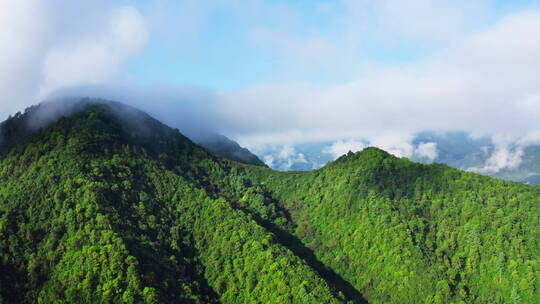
[486,84]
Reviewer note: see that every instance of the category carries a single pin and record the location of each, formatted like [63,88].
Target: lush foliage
[95,210]
[402,232]
[107,208]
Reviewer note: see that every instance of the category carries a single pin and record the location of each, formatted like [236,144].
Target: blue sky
[220,49]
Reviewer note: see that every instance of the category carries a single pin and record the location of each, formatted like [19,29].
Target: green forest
[108,205]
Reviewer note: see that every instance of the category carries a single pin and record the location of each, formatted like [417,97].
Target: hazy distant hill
[223,146]
[456,149]
[108,205]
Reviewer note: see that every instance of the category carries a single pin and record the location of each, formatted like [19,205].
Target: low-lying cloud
[190,109]
[427,150]
[508,152]
[342,147]
[284,158]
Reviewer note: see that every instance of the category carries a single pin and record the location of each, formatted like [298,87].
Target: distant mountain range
[223,146]
[457,149]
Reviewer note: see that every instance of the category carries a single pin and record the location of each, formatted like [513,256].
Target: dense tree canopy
[99,207]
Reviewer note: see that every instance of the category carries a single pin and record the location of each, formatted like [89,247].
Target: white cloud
[98,59]
[508,152]
[47,45]
[396,143]
[269,160]
[485,83]
[290,156]
[425,19]
[427,150]
[282,157]
[502,158]
[342,147]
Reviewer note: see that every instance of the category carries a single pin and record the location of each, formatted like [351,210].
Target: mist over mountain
[39,116]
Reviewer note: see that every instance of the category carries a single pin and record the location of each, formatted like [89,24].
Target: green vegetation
[100,207]
[402,232]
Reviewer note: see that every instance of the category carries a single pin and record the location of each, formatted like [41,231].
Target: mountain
[108,205]
[223,146]
[42,114]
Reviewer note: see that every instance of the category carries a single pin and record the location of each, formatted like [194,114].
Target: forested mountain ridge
[99,208]
[402,232]
[95,209]
[35,117]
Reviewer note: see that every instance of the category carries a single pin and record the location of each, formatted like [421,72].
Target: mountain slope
[223,146]
[94,210]
[402,232]
[109,205]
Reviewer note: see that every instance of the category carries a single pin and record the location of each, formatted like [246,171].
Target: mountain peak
[366,154]
[131,121]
